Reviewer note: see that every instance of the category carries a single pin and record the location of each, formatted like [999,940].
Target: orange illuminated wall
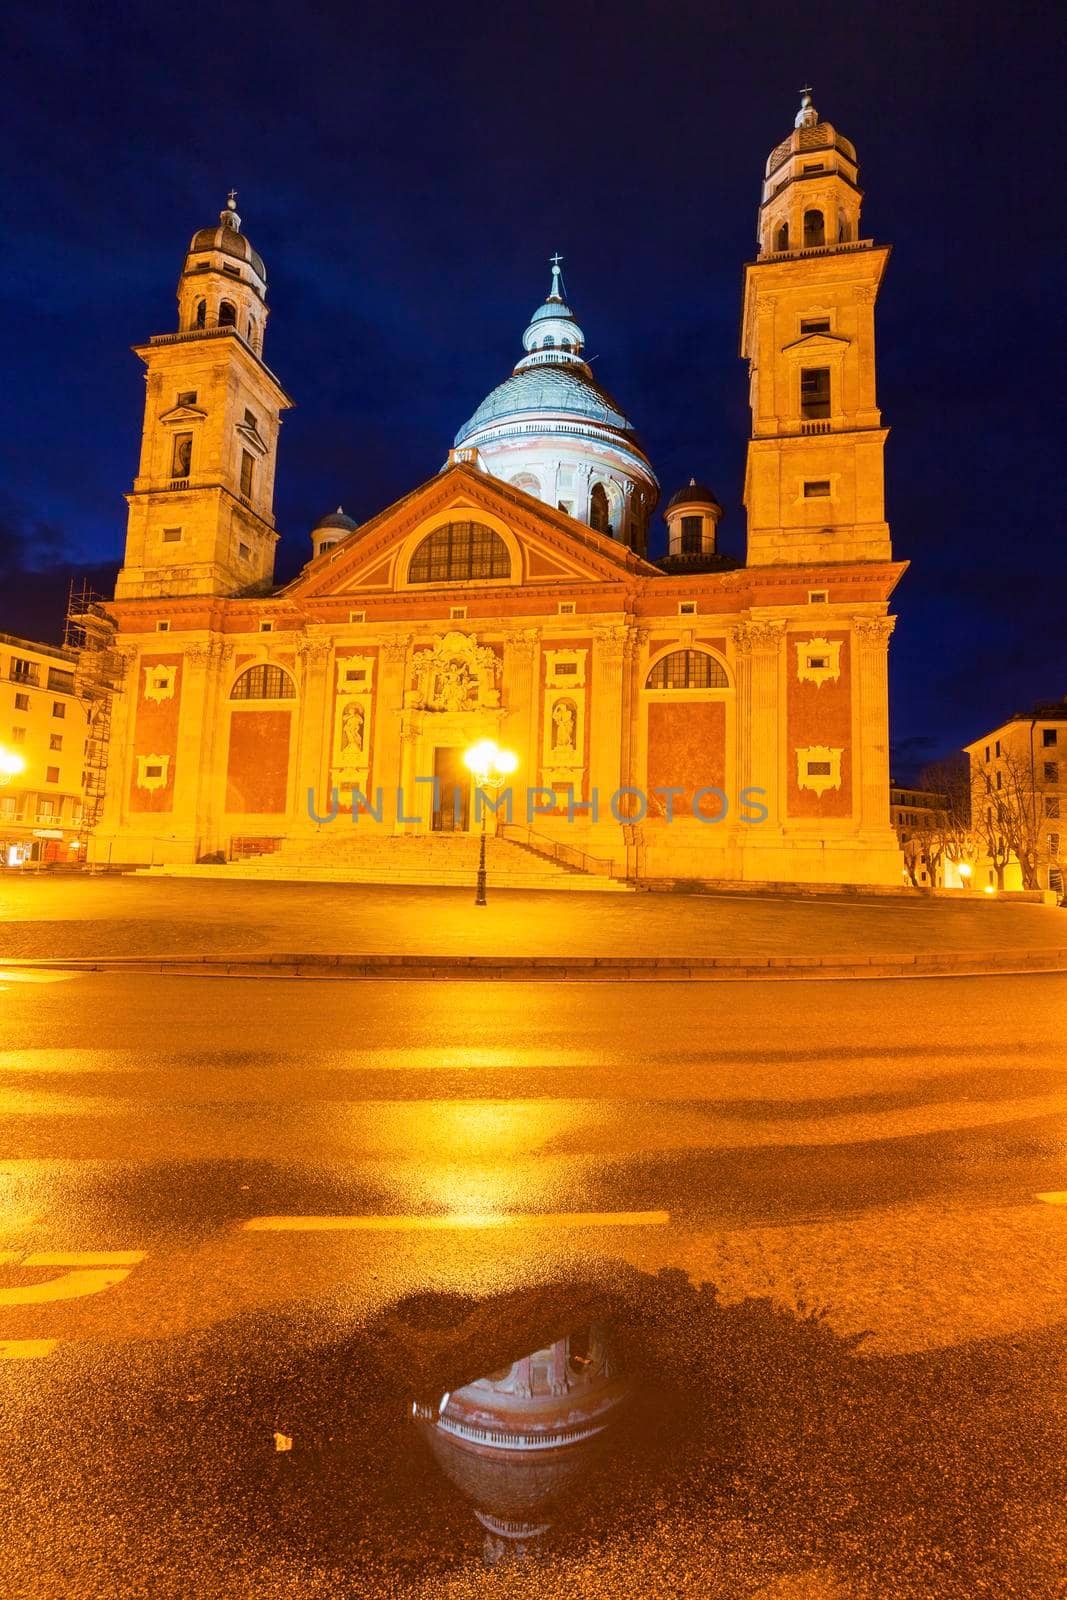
[257,769]
[156,732]
[819,714]
[687,750]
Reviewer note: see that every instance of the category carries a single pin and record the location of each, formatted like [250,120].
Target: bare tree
[1005,805]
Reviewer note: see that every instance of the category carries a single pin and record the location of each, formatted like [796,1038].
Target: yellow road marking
[492,1219]
[1056,1198]
[84,1258]
[69,1286]
[26,1349]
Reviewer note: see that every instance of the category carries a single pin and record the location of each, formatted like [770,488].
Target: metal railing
[568,855]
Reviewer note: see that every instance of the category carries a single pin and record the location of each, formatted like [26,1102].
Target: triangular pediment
[183,414]
[551,548]
[817,341]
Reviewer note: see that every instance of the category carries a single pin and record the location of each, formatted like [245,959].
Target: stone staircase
[425,860]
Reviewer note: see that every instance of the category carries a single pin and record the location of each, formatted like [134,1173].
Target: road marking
[26,1349]
[8,975]
[90,1271]
[84,1258]
[489,1219]
[1056,1198]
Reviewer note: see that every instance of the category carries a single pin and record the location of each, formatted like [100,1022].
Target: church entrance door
[452,791]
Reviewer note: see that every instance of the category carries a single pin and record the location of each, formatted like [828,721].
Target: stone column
[871,640]
[521,657]
[202,687]
[312,743]
[761,731]
[386,762]
[607,704]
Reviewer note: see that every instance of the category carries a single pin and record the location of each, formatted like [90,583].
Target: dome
[336,519]
[551,389]
[693,494]
[552,308]
[226,236]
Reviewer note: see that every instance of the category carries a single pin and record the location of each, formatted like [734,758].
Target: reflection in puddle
[518,1441]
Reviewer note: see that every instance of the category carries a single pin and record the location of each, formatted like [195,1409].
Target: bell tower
[814,488]
[201,517]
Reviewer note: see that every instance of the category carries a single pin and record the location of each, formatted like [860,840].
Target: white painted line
[1058,1197]
[489,1219]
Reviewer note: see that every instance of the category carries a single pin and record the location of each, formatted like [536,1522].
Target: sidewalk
[42,918]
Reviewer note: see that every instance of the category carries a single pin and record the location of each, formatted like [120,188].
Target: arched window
[227,314]
[781,238]
[548,343]
[252,332]
[598,509]
[565,344]
[264,682]
[201,313]
[457,551]
[687,669]
[842,228]
[527,483]
[814,229]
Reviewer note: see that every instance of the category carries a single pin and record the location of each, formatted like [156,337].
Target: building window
[814,166]
[243,552]
[815,325]
[566,506]
[1048,737]
[18,736]
[266,627]
[247,463]
[458,551]
[781,238]
[457,613]
[815,392]
[23,671]
[182,455]
[55,741]
[264,682]
[566,608]
[819,769]
[687,669]
[818,597]
[1000,779]
[997,748]
[251,420]
[187,398]
[817,489]
[46,807]
[60,680]
[227,315]
[357,616]
[598,509]
[814,230]
[987,753]
[1052,805]
[22,702]
[201,311]
[162,627]
[51,774]
[171,535]
[1053,844]
[231,271]
[153,770]
[687,608]
[691,531]
[59,708]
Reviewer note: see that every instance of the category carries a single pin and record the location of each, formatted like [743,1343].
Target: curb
[573,969]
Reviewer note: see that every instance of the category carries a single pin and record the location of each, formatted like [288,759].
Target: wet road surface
[450,1241]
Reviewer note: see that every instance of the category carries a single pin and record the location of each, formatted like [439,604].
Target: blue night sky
[406,171]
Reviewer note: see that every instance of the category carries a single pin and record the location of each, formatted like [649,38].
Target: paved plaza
[130,915]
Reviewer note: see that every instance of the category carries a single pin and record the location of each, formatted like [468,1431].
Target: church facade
[690,717]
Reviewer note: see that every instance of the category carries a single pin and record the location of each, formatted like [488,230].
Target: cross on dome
[556,291]
[229,217]
[807,116]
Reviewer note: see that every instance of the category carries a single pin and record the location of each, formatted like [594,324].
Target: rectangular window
[231,271]
[566,608]
[153,771]
[22,702]
[187,397]
[814,392]
[60,681]
[59,708]
[162,627]
[55,741]
[814,166]
[18,736]
[356,675]
[357,616]
[814,325]
[691,529]
[247,464]
[1000,779]
[1053,844]
[46,808]
[987,752]
[566,669]
[818,662]
[182,455]
[817,489]
[1052,772]
[457,613]
[250,420]
[51,774]
[818,769]
[266,627]
[243,551]
[997,747]
[23,671]
[687,608]
[171,535]
[1052,805]
[1048,737]
[818,597]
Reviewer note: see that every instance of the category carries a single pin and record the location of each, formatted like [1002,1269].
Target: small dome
[552,308]
[227,237]
[548,389]
[693,494]
[336,519]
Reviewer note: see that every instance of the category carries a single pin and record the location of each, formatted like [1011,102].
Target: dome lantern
[330,530]
[811,196]
[223,282]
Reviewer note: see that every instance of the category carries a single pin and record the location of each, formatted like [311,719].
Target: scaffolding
[90,633]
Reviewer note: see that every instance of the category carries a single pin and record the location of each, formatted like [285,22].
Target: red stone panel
[156,733]
[687,750]
[819,714]
[257,769]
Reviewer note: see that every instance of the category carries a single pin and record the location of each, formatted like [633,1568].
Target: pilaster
[871,636]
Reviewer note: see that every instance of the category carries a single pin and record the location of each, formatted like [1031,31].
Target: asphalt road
[234,1213]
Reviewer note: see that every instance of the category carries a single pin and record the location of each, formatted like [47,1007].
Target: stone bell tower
[201,518]
[814,489]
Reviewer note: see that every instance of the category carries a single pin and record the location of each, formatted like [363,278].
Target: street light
[10,765]
[491,766]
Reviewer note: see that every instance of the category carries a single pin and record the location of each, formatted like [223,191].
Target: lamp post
[10,765]
[491,766]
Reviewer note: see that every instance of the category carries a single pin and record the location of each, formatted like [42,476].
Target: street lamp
[491,766]
[10,765]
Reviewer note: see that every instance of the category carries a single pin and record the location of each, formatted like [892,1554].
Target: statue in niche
[352,725]
[458,687]
[563,729]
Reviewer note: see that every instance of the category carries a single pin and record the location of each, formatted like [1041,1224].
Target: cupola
[223,283]
[330,530]
[811,197]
